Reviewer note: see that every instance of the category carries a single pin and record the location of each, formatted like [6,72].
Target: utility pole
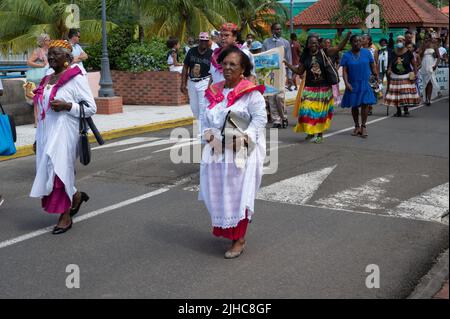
[106,85]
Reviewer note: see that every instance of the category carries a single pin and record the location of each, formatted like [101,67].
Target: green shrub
[148,56]
[118,40]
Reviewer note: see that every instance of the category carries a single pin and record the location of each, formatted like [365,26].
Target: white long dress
[227,190]
[427,74]
[57,137]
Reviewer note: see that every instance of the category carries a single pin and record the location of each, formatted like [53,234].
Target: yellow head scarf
[61,44]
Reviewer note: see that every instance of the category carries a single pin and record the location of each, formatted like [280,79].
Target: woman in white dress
[429,55]
[231,172]
[57,99]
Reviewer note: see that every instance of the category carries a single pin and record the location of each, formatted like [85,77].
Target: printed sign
[441,78]
[270,70]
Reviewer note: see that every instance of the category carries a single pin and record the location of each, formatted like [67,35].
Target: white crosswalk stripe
[371,196]
[129,141]
[368,198]
[430,205]
[295,190]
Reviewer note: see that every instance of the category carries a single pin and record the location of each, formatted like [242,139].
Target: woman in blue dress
[358,64]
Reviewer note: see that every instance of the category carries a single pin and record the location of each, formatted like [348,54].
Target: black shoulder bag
[331,74]
[11,123]
[84,148]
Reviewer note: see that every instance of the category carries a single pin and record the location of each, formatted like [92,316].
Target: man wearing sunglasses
[78,54]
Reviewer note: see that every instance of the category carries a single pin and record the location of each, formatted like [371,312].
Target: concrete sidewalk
[135,119]
[133,116]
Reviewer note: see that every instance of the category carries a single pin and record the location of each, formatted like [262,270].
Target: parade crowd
[219,75]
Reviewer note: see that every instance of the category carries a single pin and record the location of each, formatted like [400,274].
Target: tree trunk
[141,34]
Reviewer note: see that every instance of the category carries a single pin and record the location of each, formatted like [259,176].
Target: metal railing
[13,71]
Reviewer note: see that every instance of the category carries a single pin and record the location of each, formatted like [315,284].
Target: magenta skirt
[57,202]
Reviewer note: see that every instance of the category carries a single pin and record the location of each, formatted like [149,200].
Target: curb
[432,282]
[27,150]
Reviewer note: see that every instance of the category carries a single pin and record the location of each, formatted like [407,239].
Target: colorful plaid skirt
[316,110]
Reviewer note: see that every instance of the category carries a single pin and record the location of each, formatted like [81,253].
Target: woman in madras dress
[317,102]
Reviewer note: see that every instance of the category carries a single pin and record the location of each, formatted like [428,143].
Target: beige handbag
[233,128]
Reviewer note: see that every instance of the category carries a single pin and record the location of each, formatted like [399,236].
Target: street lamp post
[106,85]
[291,9]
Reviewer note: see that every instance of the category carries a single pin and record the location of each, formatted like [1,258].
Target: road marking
[156,143]
[295,190]
[430,205]
[381,118]
[192,142]
[370,195]
[192,188]
[127,142]
[84,217]
[130,201]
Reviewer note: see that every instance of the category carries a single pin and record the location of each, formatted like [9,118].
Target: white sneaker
[1,200]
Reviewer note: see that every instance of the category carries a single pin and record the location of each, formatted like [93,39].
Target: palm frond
[37,9]
[91,30]
[27,41]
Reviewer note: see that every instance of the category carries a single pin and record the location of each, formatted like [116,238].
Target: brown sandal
[356,131]
[364,131]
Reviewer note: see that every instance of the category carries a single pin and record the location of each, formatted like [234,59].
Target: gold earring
[66,64]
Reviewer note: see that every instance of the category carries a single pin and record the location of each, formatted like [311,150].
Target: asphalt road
[337,208]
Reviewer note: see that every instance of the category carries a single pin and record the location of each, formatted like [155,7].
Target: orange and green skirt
[316,110]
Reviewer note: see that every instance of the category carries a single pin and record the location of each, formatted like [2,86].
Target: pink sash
[214,93]
[39,92]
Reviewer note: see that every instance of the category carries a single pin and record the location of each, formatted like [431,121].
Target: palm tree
[21,21]
[137,13]
[438,3]
[182,18]
[352,11]
[256,16]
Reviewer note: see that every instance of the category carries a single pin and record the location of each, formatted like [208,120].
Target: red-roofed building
[444,10]
[397,13]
